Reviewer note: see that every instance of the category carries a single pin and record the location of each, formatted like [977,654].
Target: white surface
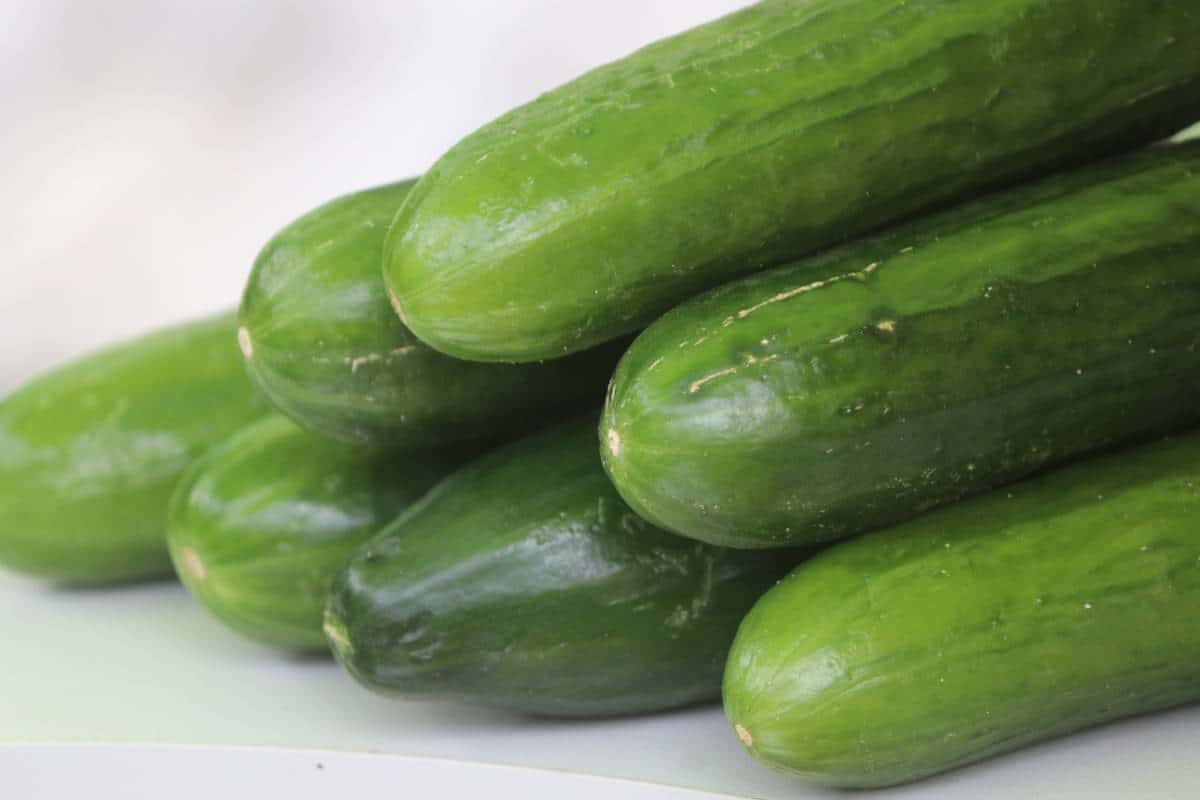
[202,773]
[147,665]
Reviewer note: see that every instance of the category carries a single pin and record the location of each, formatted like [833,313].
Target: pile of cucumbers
[838,358]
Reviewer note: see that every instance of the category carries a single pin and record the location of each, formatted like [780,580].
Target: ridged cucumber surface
[523,582]
[784,128]
[860,387]
[1065,601]
[90,452]
[322,342]
[261,524]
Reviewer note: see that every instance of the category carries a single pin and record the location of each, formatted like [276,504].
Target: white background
[148,149]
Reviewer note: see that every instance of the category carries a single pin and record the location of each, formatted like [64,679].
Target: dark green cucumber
[784,128]
[90,452]
[261,524]
[322,342]
[524,582]
[861,387]
[1066,601]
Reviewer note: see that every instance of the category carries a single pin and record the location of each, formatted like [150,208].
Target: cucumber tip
[245,342]
[192,564]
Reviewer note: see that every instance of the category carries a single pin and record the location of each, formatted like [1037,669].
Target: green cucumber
[322,342]
[779,130]
[261,524]
[861,387]
[523,582]
[1066,601]
[90,452]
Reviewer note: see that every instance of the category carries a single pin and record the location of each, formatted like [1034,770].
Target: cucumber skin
[261,524]
[90,452]
[769,134]
[856,389]
[322,342]
[1067,601]
[551,599]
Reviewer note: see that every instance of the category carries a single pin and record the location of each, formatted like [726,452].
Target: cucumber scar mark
[858,275]
[744,734]
[357,361]
[192,564]
[698,384]
[245,342]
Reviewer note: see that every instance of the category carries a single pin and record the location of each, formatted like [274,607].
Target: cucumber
[779,130]
[90,452]
[322,342]
[861,387]
[523,582]
[261,524]
[1066,601]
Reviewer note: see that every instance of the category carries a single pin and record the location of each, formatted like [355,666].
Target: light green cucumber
[90,452]
[262,523]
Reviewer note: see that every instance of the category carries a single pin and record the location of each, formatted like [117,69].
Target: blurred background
[148,149]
